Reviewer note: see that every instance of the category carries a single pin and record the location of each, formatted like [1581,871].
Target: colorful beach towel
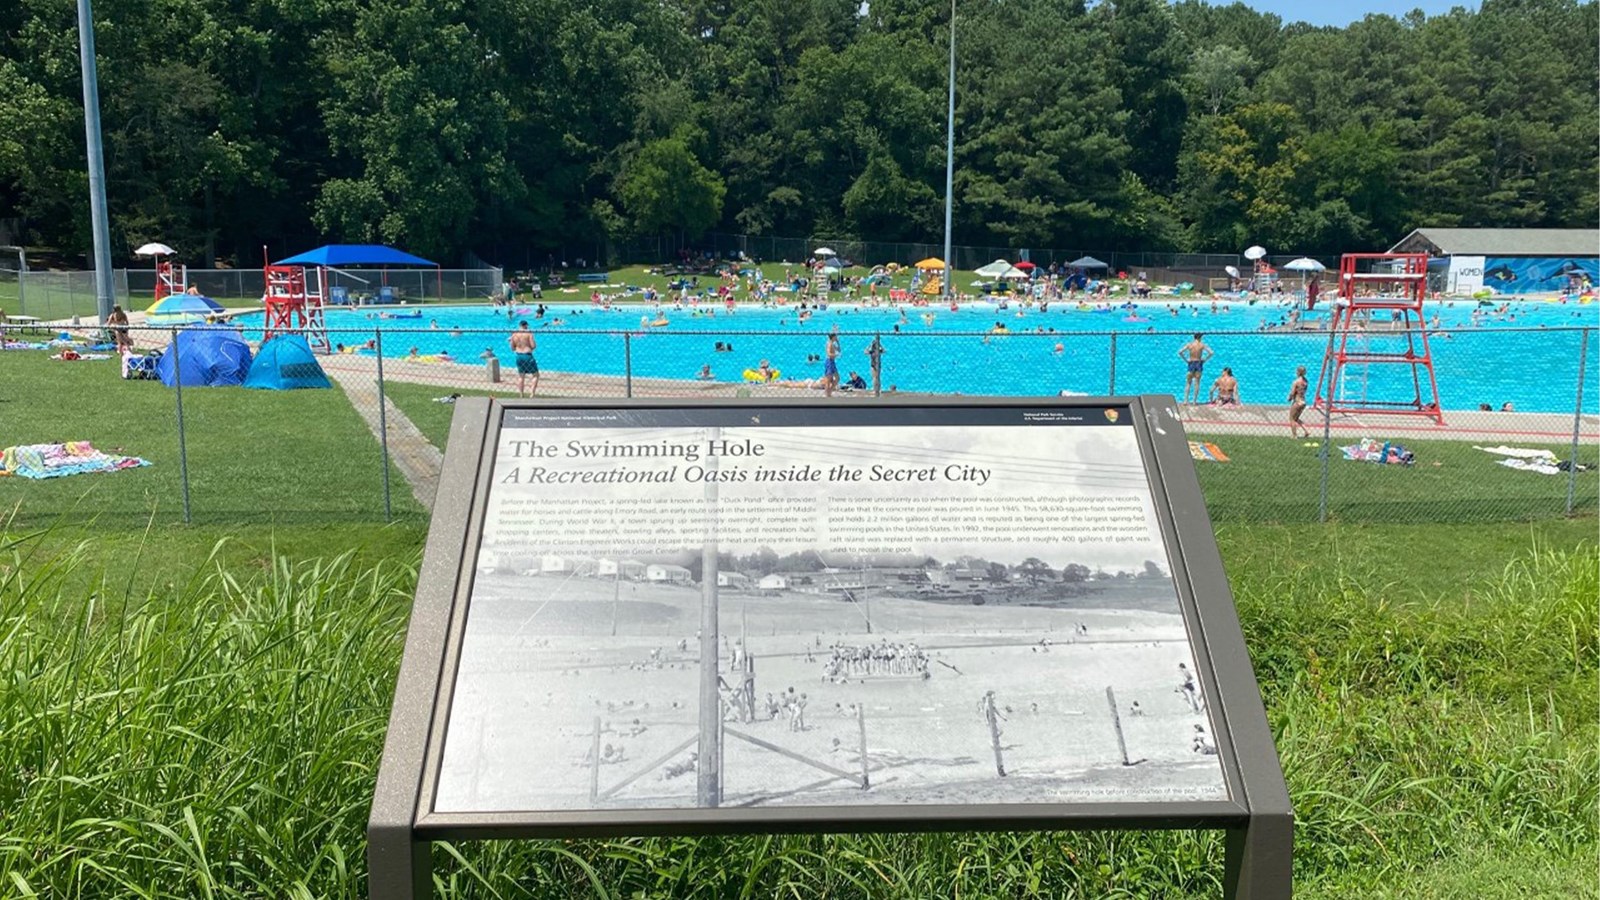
[1206,451]
[40,461]
[1381,452]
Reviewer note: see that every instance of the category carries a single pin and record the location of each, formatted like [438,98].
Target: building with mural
[1468,261]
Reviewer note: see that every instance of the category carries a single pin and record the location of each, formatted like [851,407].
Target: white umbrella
[154,249]
[996,269]
[1304,264]
[1014,274]
[1255,253]
[1231,271]
[823,251]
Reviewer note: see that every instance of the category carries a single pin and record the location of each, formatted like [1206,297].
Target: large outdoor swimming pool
[1527,357]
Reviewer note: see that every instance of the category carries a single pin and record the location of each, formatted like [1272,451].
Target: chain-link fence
[1517,441]
[59,296]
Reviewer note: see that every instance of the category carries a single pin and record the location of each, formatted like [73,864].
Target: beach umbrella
[993,270]
[1014,274]
[931,262]
[184,305]
[155,249]
[1231,270]
[1026,266]
[1255,252]
[1087,262]
[823,251]
[1304,264]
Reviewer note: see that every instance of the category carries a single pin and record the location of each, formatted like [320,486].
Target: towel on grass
[1380,452]
[1206,451]
[1518,452]
[40,461]
[1540,465]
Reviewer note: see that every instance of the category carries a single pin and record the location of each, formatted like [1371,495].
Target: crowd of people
[870,660]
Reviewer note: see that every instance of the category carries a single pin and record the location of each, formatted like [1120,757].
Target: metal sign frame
[1257,818]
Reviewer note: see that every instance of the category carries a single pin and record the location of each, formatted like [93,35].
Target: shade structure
[286,363]
[336,255]
[1026,266]
[1255,252]
[1014,274]
[184,305]
[993,270]
[1304,264]
[155,249]
[823,251]
[931,262]
[1087,262]
[831,265]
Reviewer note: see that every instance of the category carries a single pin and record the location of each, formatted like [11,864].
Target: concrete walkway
[417,459]
[1459,425]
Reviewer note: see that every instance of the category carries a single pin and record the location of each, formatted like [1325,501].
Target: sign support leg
[1258,863]
[398,867]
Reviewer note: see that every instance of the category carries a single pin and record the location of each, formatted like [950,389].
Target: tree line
[456,126]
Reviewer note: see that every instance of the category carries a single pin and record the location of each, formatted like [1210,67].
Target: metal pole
[1112,387]
[383,424]
[97,166]
[1577,422]
[709,771]
[183,450]
[950,155]
[1327,417]
[627,364]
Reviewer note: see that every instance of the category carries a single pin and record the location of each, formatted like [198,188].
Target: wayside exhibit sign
[653,618]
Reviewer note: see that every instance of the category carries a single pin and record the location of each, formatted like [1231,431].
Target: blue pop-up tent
[204,357]
[284,364]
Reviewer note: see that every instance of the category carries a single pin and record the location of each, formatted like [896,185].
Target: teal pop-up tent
[285,363]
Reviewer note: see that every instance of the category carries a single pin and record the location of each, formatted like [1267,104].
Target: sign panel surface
[907,606]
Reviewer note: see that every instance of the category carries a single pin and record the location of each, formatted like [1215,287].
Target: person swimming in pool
[1194,354]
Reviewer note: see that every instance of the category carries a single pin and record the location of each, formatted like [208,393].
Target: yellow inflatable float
[756,376]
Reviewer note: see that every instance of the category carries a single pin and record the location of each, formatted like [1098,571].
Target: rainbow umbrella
[179,309]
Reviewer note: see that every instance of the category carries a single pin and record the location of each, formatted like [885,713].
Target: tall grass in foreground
[218,738]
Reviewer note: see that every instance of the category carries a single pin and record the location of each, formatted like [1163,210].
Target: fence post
[183,450]
[1327,425]
[1577,423]
[1111,388]
[627,364]
[383,425]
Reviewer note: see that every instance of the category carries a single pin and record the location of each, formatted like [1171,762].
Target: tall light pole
[949,155]
[97,166]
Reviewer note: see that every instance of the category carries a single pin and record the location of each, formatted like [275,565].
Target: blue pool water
[1521,358]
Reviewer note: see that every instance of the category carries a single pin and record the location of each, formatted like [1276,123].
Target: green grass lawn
[254,457]
[431,418]
[1276,479]
[218,737]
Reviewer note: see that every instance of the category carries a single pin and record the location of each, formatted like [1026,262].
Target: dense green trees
[509,127]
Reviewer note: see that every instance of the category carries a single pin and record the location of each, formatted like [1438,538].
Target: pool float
[756,376]
[659,323]
[999,329]
[415,315]
[1134,319]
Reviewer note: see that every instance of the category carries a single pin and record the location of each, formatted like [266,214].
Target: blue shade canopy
[354,255]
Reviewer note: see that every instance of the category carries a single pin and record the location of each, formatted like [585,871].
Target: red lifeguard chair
[1369,282]
[170,279]
[291,308]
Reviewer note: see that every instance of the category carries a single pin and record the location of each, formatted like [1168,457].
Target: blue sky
[1343,12]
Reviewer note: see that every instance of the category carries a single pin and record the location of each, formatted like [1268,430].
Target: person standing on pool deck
[1297,402]
[523,344]
[830,365]
[1195,353]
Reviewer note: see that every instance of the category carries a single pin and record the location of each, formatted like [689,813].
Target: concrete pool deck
[1460,425]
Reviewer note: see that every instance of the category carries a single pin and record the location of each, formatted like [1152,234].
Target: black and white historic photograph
[823,616]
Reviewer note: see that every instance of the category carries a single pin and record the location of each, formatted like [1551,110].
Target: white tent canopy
[996,269]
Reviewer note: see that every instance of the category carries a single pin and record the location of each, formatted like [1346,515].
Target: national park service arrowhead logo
[1111,415]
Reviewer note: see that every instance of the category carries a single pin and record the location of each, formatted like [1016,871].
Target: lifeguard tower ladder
[1368,282]
[291,308]
[170,279]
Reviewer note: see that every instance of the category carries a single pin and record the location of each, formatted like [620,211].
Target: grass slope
[218,737]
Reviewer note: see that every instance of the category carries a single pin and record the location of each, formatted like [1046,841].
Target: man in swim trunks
[523,344]
[1297,402]
[1194,354]
[830,365]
